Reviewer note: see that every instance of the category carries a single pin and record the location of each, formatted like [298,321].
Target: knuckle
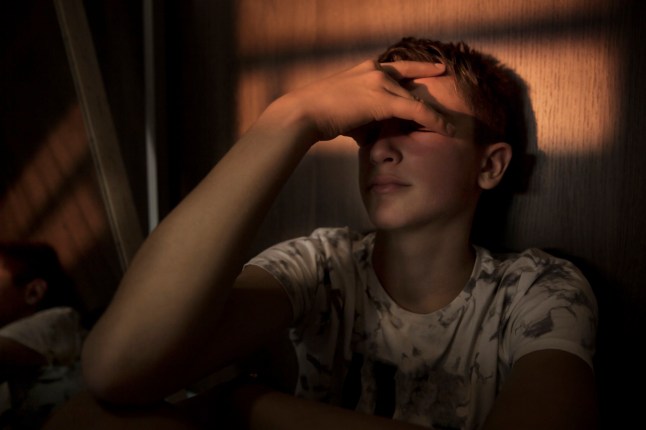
[369,65]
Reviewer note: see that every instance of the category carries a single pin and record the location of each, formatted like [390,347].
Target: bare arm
[269,410]
[174,317]
[547,389]
[16,358]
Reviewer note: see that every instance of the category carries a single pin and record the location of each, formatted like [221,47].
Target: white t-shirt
[357,348]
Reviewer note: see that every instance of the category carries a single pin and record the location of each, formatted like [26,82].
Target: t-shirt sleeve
[295,265]
[316,270]
[554,308]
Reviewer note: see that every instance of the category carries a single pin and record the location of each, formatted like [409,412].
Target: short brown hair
[494,92]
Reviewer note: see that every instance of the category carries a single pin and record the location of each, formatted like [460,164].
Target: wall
[48,185]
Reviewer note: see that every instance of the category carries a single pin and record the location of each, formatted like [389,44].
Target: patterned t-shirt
[357,348]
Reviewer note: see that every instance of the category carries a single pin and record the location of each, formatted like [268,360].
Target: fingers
[418,111]
[408,106]
[412,69]
[367,93]
[414,110]
[365,133]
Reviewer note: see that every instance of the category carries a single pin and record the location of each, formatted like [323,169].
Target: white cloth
[54,333]
[57,335]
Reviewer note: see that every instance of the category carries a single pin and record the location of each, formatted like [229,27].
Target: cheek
[451,170]
[363,159]
[438,159]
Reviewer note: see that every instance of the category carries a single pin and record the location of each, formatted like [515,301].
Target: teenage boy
[410,324]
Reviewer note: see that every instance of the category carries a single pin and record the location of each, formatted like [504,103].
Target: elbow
[112,379]
[103,380]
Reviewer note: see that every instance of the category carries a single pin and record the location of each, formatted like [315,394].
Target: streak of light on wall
[342,23]
[569,66]
[55,198]
[573,84]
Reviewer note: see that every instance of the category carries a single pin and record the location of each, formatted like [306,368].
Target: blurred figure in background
[40,335]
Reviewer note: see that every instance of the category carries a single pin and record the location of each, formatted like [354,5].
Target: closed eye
[413,127]
[424,130]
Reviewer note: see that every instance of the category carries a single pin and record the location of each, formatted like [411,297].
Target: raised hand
[366,93]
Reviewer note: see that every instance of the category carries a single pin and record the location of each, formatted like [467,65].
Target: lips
[382,184]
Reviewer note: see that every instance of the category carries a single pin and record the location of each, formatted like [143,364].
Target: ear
[495,160]
[35,291]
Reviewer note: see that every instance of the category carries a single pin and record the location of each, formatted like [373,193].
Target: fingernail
[450,128]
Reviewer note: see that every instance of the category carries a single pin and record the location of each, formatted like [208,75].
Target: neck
[423,271]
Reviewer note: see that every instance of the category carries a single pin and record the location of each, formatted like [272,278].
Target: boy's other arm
[265,409]
[548,389]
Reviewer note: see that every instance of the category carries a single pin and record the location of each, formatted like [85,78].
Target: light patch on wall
[294,25]
[75,224]
[53,198]
[573,80]
[574,85]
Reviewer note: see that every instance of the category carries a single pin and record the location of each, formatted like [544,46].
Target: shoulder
[322,242]
[309,266]
[529,259]
[60,314]
[303,257]
[548,303]
[55,333]
[58,318]
[532,267]
[338,236]
[535,275]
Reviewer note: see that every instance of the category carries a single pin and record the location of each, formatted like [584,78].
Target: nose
[385,148]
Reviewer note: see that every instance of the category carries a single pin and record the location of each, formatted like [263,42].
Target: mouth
[384,184]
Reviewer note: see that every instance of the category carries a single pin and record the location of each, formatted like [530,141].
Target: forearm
[171,297]
[270,410]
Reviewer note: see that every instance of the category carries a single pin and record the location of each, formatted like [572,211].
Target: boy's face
[411,177]
[11,297]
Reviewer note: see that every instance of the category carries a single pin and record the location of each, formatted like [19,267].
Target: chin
[386,223]
[390,216]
